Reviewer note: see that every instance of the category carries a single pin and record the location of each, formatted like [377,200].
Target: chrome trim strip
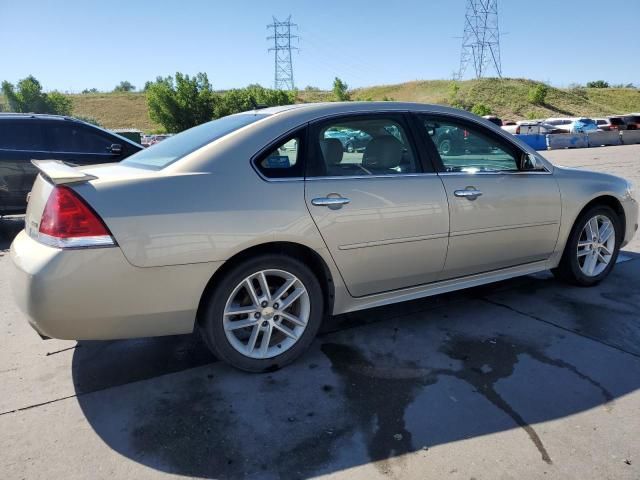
[357,177]
[392,241]
[447,174]
[502,228]
[76,242]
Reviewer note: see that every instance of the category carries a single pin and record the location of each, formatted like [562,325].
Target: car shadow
[376,385]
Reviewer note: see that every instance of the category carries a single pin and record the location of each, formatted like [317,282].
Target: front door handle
[335,202]
[469,193]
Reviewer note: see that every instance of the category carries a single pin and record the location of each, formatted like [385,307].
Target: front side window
[468,149]
[68,137]
[361,146]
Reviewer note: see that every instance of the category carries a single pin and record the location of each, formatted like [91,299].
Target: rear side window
[284,159]
[74,138]
[361,146]
[21,135]
[616,121]
[174,148]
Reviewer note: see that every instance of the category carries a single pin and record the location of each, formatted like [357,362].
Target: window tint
[283,160]
[374,146]
[174,148]
[468,149]
[69,137]
[21,135]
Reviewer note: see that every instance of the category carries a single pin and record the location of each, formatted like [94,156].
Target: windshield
[174,148]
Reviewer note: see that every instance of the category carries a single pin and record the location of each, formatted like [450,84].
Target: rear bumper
[90,294]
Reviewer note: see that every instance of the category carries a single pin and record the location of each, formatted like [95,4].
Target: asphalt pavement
[527,378]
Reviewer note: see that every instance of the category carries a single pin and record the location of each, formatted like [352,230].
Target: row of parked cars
[569,124]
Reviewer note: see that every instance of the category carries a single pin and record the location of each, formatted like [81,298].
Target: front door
[383,218]
[501,214]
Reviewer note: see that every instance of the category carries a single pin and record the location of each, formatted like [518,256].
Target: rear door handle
[335,202]
[468,193]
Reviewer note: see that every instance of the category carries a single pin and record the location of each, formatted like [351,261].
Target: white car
[573,125]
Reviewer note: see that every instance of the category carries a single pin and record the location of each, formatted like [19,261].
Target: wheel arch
[609,201]
[296,250]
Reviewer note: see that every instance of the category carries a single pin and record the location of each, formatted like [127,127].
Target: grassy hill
[507,98]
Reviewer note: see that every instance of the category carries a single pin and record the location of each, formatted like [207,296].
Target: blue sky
[71,45]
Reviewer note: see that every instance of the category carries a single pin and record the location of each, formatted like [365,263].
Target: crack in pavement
[549,322]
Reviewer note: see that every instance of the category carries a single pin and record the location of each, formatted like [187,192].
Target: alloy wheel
[266,313]
[596,245]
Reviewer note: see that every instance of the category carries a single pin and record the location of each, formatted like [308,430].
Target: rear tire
[271,320]
[590,255]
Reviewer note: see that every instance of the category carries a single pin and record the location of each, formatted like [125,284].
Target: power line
[481,39]
[282,52]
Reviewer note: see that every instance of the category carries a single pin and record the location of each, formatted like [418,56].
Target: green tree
[243,99]
[538,94]
[27,97]
[598,84]
[340,90]
[124,86]
[480,109]
[181,103]
[90,90]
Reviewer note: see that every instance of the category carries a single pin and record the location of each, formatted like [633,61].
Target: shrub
[340,90]
[481,109]
[538,94]
[597,84]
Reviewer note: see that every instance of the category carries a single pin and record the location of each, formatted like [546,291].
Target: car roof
[62,118]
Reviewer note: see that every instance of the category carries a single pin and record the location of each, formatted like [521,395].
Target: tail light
[68,222]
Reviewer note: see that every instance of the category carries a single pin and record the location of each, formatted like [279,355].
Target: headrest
[383,152]
[331,151]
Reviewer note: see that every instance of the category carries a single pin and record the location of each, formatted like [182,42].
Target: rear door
[383,216]
[500,214]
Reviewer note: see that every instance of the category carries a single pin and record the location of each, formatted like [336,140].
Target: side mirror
[116,149]
[530,163]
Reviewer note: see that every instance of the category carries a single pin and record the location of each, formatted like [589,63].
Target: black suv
[25,137]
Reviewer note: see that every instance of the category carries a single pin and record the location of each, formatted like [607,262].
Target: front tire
[263,313]
[592,248]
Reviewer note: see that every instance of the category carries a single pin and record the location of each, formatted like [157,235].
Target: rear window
[616,121]
[174,148]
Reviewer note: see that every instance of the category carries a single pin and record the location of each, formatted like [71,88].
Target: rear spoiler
[59,173]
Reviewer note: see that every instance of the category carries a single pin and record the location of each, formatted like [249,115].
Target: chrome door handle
[330,201]
[470,193]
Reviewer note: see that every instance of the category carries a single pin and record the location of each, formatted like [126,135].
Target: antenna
[282,47]
[481,39]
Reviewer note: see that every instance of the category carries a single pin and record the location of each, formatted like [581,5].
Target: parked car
[573,125]
[610,123]
[493,119]
[632,121]
[532,127]
[25,137]
[253,227]
[352,141]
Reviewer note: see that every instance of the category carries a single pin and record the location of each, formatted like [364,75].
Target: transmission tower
[282,47]
[481,39]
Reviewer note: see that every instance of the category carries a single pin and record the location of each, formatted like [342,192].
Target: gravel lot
[528,378]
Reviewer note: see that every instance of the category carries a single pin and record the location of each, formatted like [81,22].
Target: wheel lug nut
[276,306]
[264,304]
[265,323]
[256,315]
[276,318]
